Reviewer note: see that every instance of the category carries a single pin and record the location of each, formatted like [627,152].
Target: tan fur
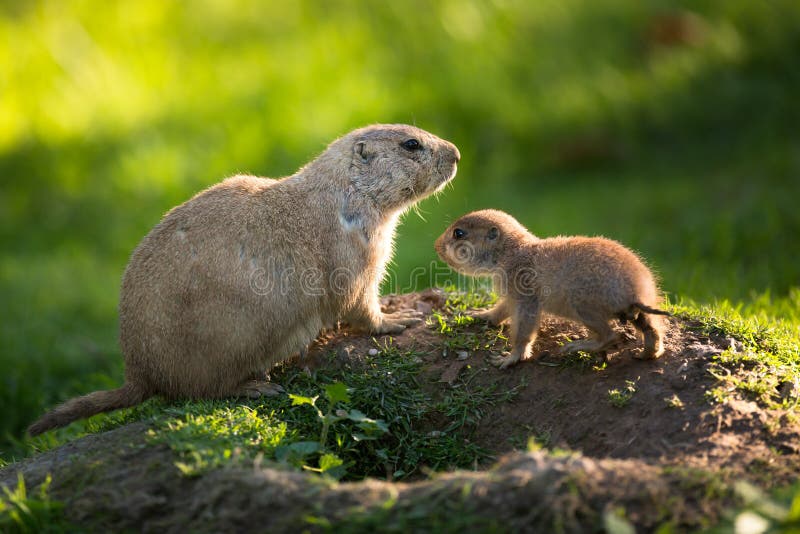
[247,272]
[587,279]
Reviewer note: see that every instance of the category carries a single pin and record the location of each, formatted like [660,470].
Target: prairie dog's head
[396,165]
[477,242]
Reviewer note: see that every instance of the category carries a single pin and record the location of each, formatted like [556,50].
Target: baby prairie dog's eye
[458,233]
[411,144]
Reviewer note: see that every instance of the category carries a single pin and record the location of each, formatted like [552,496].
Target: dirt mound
[658,411]
[113,482]
[621,434]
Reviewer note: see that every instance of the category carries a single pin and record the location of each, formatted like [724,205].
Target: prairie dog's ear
[362,151]
[493,233]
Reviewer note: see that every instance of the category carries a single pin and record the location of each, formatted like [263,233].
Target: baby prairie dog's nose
[438,245]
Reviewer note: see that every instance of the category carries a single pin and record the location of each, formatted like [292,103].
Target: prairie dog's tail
[648,309]
[91,404]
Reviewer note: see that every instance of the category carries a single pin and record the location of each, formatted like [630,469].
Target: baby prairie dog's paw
[504,359]
[649,354]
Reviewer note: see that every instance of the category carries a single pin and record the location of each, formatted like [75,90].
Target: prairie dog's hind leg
[602,335]
[653,330]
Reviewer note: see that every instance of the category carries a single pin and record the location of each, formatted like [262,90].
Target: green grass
[569,115]
[23,512]
[465,404]
[205,438]
[454,323]
[369,418]
[765,365]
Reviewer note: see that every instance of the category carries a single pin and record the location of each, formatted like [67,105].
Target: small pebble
[372,352]
[462,355]
[734,345]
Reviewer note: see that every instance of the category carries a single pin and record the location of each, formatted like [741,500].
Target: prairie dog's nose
[449,152]
[456,153]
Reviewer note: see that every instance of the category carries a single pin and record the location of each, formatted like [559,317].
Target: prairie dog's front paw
[394,323]
[389,327]
[504,359]
[413,316]
[402,318]
[484,315]
[254,389]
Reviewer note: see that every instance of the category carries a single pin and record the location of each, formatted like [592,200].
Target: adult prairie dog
[587,279]
[247,272]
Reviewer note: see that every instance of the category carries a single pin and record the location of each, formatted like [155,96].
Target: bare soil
[666,454]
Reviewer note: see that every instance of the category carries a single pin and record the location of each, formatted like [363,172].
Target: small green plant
[21,512]
[531,438]
[366,429]
[674,402]
[620,397]
[717,395]
[386,387]
[582,360]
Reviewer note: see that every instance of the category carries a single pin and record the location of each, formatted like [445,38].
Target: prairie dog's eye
[411,144]
[458,233]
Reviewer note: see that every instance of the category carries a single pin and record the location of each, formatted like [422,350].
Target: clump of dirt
[644,437]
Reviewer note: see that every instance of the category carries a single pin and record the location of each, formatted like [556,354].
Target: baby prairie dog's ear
[492,233]
[362,151]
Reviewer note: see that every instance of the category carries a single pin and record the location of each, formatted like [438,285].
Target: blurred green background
[673,127]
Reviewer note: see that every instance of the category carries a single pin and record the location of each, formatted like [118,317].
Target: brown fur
[247,272]
[588,279]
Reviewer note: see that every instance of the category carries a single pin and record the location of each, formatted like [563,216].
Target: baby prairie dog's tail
[648,309]
[91,404]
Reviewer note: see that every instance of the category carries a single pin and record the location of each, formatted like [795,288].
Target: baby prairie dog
[246,273]
[587,279]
